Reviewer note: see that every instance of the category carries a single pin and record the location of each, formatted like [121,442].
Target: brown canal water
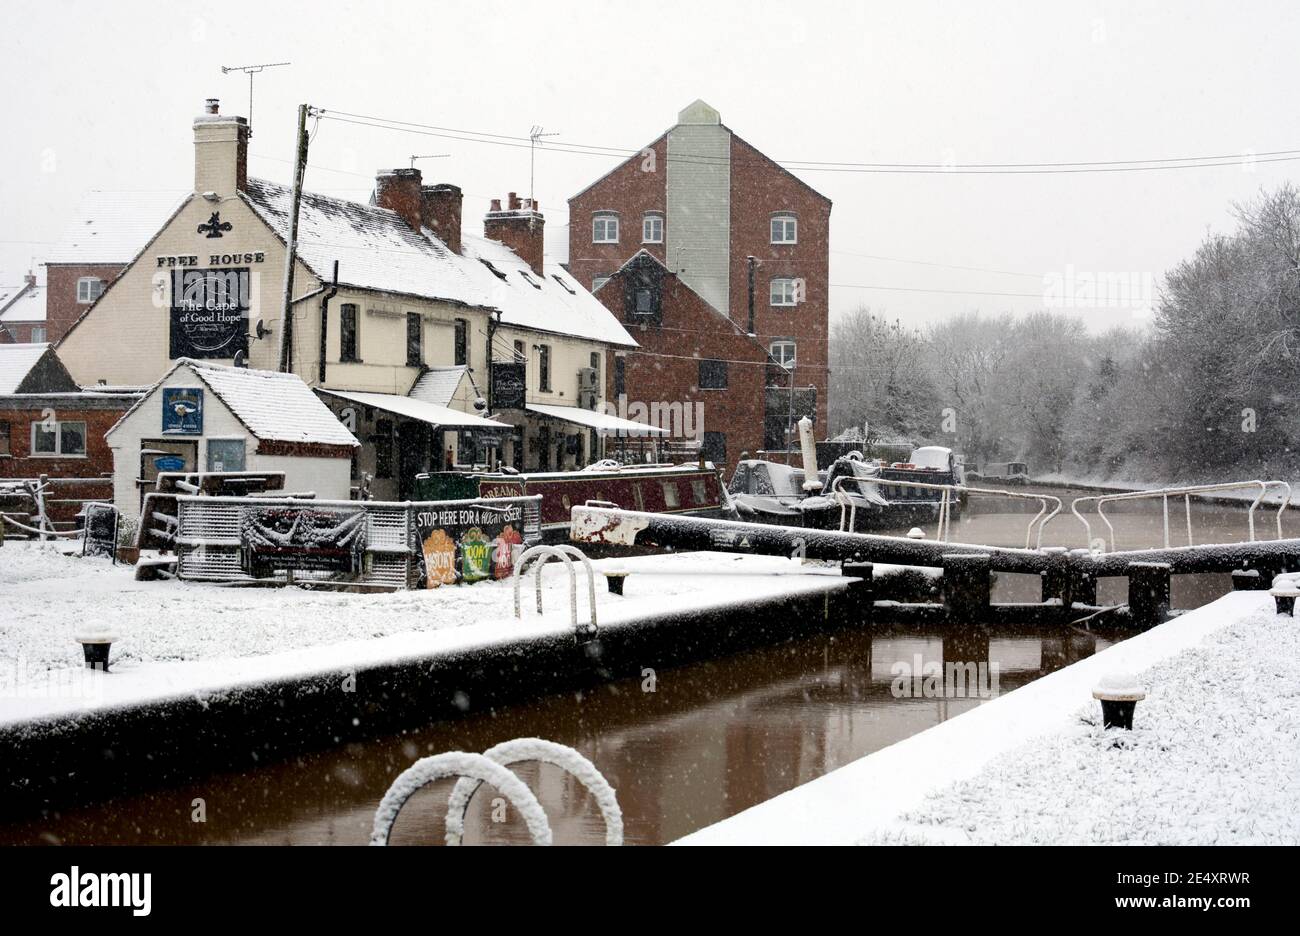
[711,739]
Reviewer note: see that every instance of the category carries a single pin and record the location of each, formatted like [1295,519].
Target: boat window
[639,495]
[740,480]
[700,491]
[672,499]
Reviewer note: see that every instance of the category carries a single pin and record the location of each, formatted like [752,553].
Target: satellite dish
[262,330]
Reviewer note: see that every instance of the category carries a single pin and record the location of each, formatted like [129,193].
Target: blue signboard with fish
[182,411]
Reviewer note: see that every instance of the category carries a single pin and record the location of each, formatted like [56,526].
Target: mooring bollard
[614,579]
[1248,580]
[1284,597]
[966,587]
[95,648]
[1119,694]
[1148,592]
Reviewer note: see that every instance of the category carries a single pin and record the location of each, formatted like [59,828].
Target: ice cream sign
[468,543]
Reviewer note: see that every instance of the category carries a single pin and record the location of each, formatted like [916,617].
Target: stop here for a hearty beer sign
[469,543]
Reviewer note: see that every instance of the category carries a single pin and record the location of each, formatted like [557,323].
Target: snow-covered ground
[181,637]
[1212,759]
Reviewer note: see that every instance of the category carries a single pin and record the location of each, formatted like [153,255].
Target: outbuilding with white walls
[211,417]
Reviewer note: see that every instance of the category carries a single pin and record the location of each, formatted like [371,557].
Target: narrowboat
[689,489]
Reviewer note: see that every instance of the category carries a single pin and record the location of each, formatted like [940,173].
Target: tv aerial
[251,70]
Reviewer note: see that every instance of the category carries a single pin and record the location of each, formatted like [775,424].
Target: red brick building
[22,313]
[740,282]
[104,235]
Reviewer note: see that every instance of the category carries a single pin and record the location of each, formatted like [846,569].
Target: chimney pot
[496,204]
[213,106]
[514,201]
[31,278]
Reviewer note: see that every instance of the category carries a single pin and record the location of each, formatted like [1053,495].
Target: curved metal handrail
[562,552]
[944,529]
[1186,492]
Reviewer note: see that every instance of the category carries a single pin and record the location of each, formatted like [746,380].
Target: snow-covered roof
[438,385]
[28,306]
[273,406]
[593,419]
[376,249]
[112,227]
[16,362]
[431,413]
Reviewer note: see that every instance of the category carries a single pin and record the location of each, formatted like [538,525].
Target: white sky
[101,95]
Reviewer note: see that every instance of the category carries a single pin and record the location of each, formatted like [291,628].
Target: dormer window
[89,288]
[785,228]
[604,228]
[652,228]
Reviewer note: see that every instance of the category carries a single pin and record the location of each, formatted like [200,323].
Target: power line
[1044,168]
[931,263]
[953,292]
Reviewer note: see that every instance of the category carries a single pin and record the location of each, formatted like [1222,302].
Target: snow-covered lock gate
[376,544]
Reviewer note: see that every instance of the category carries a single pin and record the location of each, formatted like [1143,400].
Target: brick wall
[61,305]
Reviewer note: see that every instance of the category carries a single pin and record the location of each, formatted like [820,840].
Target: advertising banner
[307,537]
[468,542]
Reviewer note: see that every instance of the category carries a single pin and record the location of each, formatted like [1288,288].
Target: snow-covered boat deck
[1212,758]
[181,640]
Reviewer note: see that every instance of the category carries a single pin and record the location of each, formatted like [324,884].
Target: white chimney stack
[220,151]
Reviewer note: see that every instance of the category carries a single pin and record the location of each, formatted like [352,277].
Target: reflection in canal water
[711,739]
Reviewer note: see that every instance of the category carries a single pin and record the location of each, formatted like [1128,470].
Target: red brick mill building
[716,259]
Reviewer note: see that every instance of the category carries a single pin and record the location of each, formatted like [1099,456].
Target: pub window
[462,341]
[713,375]
[544,368]
[620,376]
[785,229]
[595,365]
[384,448]
[4,439]
[348,332]
[652,228]
[521,355]
[604,229]
[89,288]
[414,339]
[58,438]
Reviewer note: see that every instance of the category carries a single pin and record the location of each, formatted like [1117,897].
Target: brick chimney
[519,227]
[30,278]
[220,151]
[399,190]
[441,206]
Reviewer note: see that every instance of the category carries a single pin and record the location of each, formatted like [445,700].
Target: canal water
[687,748]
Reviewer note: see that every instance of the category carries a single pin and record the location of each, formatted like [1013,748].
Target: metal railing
[1186,493]
[563,552]
[949,493]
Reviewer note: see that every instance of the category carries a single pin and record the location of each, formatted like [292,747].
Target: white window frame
[789,228]
[39,333]
[598,282]
[84,297]
[780,358]
[604,219]
[789,293]
[58,439]
[649,218]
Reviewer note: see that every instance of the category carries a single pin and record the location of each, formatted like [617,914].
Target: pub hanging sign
[209,312]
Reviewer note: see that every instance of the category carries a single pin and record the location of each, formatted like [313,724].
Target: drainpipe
[751,262]
[325,319]
[494,322]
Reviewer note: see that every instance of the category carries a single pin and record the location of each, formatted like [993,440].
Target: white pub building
[434,346]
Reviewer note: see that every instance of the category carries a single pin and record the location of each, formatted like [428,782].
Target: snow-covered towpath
[1212,759]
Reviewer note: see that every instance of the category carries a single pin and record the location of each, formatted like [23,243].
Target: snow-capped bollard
[614,579]
[95,647]
[916,533]
[1284,596]
[1119,694]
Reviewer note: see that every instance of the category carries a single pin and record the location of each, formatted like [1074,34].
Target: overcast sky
[101,95]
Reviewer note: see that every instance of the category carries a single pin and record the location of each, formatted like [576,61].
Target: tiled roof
[112,227]
[377,250]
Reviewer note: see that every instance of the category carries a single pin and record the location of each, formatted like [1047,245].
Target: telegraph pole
[291,243]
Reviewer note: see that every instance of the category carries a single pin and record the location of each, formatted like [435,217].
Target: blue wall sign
[182,411]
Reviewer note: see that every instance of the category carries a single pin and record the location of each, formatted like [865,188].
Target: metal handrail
[1186,493]
[562,552]
[843,498]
